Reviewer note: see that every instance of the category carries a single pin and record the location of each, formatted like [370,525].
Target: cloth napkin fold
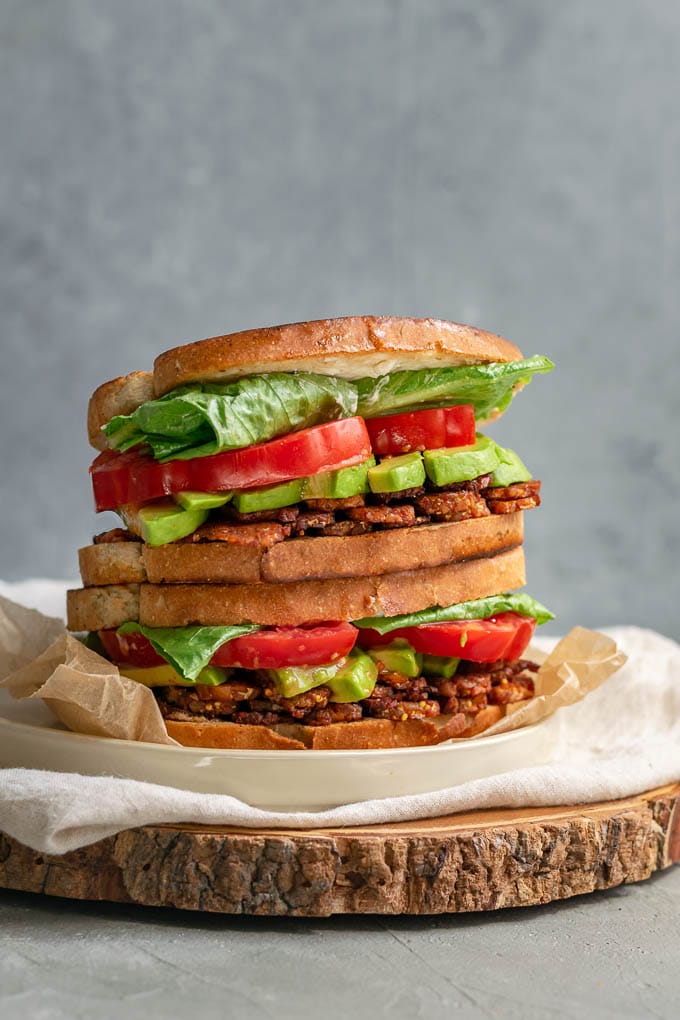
[623,739]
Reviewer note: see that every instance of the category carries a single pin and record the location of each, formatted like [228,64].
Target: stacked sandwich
[318,547]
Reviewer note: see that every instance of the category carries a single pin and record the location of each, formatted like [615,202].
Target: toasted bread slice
[300,559]
[360,345]
[119,396]
[365,734]
[113,604]
[115,563]
[295,602]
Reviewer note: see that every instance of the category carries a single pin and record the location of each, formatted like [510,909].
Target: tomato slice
[526,626]
[422,430]
[274,648]
[130,649]
[120,478]
[504,636]
[288,646]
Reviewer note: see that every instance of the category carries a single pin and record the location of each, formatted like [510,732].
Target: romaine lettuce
[489,388]
[200,419]
[476,609]
[197,420]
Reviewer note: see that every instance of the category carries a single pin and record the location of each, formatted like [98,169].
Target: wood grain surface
[481,860]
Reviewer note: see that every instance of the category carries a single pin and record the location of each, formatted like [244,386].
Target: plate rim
[146,746]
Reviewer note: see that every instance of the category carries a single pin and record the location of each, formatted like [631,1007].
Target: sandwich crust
[293,603]
[364,735]
[115,602]
[300,559]
[117,563]
[118,396]
[352,347]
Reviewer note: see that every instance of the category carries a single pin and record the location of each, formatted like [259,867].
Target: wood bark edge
[478,861]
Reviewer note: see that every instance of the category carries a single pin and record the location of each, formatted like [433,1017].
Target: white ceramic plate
[30,737]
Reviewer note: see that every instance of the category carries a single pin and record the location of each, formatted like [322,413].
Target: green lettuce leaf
[197,420]
[476,609]
[187,649]
[489,388]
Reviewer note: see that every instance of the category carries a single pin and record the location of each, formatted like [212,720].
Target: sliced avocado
[446,466]
[162,522]
[212,676]
[355,679]
[294,680]
[350,680]
[340,484]
[270,498]
[439,665]
[398,657]
[393,474]
[510,470]
[166,676]
[202,500]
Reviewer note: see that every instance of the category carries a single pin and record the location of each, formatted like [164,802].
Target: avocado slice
[340,484]
[202,500]
[355,679]
[273,497]
[162,522]
[446,466]
[510,469]
[393,474]
[166,676]
[439,665]
[398,657]
[350,680]
[293,680]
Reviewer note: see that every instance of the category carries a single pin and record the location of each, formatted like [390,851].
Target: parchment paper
[85,691]
[88,694]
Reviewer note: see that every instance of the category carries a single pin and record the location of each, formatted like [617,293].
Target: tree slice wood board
[481,860]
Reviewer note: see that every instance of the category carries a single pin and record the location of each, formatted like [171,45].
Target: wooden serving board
[480,860]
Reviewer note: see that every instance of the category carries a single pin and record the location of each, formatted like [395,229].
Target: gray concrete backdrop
[607,956]
[170,170]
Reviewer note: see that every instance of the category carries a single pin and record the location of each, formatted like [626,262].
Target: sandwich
[317,546]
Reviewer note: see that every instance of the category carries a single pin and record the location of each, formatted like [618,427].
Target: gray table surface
[613,954]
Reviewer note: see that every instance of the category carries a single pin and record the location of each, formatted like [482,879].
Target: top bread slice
[350,348]
[361,345]
[118,396]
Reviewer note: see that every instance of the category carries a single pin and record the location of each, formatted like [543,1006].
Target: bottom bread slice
[364,735]
[294,603]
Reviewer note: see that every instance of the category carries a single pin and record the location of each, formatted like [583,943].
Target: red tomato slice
[274,648]
[504,636]
[120,478]
[288,646]
[372,639]
[422,430]
[130,649]
[526,626]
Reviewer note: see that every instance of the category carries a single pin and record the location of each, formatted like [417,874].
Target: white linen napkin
[623,739]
